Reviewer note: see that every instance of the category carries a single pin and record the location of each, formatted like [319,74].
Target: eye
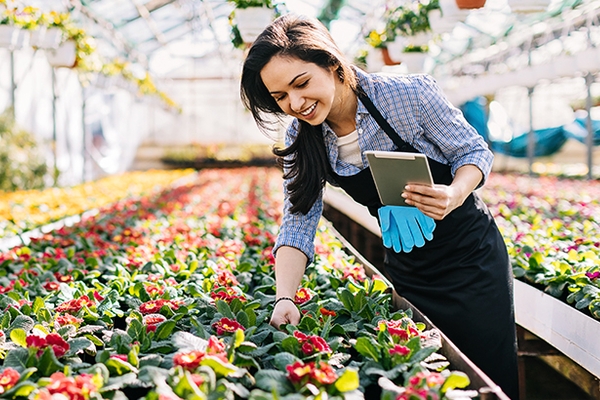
[303,84]
[279,98]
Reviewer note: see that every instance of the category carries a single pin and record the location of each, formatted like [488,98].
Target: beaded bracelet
[283,298]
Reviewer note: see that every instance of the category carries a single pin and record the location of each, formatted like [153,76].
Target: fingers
[285,312]
[406,237]
[384,218]
[415,230]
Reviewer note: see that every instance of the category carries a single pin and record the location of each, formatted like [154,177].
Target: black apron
[461,279]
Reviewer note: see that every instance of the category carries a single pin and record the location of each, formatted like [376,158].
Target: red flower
[399,349]
[75,305]
[324,374]
[327,313]
[226,325]
[78,388]
[152,320]
[51,286]
[299,372]
[312,344]
[8,379]
[54,340]
[67,319]
[302,296]
[154,306]
[190,360]
[59,345]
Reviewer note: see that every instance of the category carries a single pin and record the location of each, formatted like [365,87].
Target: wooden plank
[569,330]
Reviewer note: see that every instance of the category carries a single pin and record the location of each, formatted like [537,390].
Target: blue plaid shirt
[416,108]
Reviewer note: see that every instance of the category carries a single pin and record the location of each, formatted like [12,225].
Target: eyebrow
[291,82]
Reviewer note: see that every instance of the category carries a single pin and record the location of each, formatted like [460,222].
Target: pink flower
[312,344]
[78,388]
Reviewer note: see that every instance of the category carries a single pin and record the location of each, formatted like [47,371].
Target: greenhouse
[286,199]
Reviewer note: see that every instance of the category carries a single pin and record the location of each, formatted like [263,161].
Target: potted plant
[250,18]
[528,6]
[413,57]
[470,4]
[405,26]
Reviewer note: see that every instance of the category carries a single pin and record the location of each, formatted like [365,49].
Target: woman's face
[301,89]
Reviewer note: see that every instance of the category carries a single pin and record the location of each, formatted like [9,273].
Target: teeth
[305,113]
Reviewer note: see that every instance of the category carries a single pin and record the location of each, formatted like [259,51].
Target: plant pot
[252,21]
[375,60]
[64,55]
[470,4]
[394,50]
[588,60]
[414,62]
[8,35]
[528,6]
[22,39]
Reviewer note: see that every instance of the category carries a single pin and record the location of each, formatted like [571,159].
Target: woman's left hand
[435,201]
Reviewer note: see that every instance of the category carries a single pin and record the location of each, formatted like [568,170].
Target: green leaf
[367,347]
[38,304]
[48,363]
[79,344]
[348,381]
[17,359]
[20,390]
[238,338]
[164,329]
[119,382]
[19,336]
[272,380]
[221,368]
[23,322]
[243,319]
[456,379]
[119,367]
[282,360]
[136,330]
[5,323]
[224,309]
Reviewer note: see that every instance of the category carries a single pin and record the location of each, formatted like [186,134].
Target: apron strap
[387,128]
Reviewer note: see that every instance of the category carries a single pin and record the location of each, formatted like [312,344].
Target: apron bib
[461,279]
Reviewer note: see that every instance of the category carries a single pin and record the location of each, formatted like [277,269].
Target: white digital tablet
[393,170]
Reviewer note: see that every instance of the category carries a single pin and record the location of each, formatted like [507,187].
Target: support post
[13,85]
[589,79]
[54,133]
[531,134]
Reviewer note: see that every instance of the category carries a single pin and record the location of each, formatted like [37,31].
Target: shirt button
[360,130]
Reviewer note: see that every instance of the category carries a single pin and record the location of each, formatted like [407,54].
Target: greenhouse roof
[166,35]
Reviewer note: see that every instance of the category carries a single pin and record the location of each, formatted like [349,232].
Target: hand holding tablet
[402,226]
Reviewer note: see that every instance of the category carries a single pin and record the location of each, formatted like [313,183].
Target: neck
[342,118]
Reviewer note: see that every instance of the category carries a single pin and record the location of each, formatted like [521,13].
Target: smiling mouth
[309,110]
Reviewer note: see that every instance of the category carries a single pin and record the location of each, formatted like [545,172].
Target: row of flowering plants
[552,230]
[169,296]
[24,210]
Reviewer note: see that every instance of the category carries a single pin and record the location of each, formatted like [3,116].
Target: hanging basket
[64,55]
[528,6]
[470,4]
[8,35]
[252,21]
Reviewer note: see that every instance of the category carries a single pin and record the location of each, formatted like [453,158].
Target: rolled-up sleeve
[446,127]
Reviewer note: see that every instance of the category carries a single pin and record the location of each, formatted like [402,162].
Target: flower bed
[552,230]
[169,296]
[24,210]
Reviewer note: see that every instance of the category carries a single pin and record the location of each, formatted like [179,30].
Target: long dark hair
[305,161]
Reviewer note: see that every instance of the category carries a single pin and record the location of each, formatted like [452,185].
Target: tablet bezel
[393,170]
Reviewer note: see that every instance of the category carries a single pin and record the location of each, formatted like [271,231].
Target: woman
[461,278]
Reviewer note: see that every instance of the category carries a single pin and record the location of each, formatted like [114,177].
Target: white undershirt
[349,150]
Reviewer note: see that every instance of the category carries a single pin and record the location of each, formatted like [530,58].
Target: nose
[296,102]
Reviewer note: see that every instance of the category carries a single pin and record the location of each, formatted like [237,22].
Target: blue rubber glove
[402,227]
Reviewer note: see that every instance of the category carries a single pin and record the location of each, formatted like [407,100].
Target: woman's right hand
[285,312]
